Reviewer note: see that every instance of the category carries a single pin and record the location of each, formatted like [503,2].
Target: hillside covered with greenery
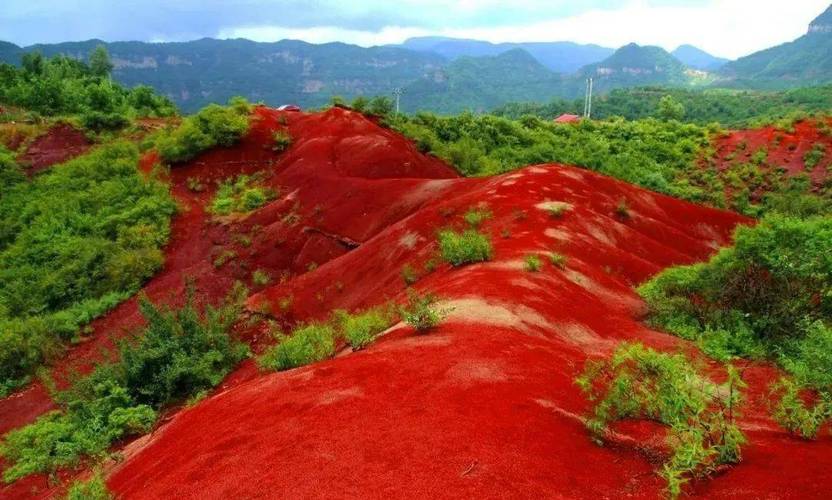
[65,86]
[729,108]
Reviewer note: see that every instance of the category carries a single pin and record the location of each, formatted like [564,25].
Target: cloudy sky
[729,28]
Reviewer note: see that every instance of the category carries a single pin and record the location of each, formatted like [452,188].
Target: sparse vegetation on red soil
[486,399]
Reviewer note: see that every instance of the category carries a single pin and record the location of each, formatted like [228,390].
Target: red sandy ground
[61,143]
[785,149]
[484,406]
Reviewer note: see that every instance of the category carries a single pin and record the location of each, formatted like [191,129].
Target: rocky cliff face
[823,23]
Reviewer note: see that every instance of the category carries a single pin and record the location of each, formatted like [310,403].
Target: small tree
[100,63]
[671,109]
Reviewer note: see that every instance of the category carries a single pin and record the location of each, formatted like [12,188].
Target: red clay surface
[484,406]
[786,149]
[61,143]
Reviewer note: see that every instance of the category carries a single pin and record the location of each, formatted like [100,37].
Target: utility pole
[398,91]
[589,110]
[586,97]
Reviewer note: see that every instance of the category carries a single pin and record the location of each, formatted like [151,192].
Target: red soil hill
[484,406]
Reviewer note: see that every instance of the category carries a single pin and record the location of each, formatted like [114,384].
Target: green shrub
[98,121]
[361,329]
[814,156]
[179,353]
[464,248]
[640,383]
[795,414]
[10,172]
[212,126]
[281,141]
[243,194]
[532,263]
[556,210]
[558,260]
[261,277]
[476,216]
[307,344]
[94,488]
[224,258]
[409,275]
[421,312]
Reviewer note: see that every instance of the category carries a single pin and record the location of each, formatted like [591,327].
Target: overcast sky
[729,28]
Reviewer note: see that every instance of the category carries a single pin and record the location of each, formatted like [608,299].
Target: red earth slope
[482,407]
[59,144]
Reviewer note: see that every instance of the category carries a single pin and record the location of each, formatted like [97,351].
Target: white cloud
[729,28]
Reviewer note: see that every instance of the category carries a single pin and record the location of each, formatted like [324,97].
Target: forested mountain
[561,57]
[634,65]
[203,71]
[805,61]
[482,83]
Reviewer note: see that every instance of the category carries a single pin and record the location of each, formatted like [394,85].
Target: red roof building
[568,119]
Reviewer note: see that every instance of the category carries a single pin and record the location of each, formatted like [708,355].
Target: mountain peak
[694,57]
[822,23]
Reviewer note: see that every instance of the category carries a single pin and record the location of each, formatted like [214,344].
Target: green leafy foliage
[476,216]
[212,126]
[62,85]
[558,260]
[94,488]
[361,329]
[768,297]
[422,313]
[671,109]
[10,172]
[796,413]
[74,242]
[814,156]
[241,195]
[654,154]
[467,247]
[730,108]
[282,141]
[532,263]
[260,277]
[307,344]
[640,383]
[178,354]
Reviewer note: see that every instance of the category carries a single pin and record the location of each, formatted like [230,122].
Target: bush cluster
[315,342]
[178,354]
[62,86]
[467,247]
[640,383]
[769,297]
[213,125]
[654,154]
[74,242]
[241,195]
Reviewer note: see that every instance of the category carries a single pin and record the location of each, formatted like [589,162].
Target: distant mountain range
[560,57]
[445,75]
